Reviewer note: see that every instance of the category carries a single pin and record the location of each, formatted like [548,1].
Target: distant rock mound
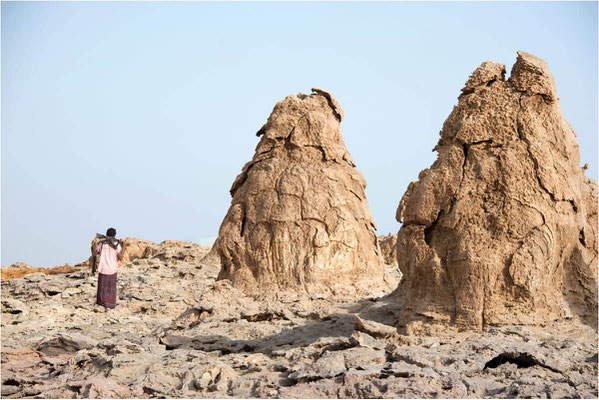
[299,219]
[137,248]
[177,250]
[168,250]
[20,269]
[501,229]
[388,245]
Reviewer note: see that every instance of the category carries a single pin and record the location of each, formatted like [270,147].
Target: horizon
[140,115]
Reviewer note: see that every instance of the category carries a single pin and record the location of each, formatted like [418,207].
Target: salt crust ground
[177,333]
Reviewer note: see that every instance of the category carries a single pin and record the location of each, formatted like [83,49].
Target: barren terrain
[176,332]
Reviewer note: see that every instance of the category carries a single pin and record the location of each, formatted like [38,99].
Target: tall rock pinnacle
[299,220]
[502,228]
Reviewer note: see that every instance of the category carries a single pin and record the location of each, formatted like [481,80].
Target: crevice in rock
[242,230]
[309,379]
[263,316]
[522,360]
[341,345]
[489,141]
[386,373]
[574,208]
[482,313]
[581,238]
[428,231]
[148,390]
[324,155]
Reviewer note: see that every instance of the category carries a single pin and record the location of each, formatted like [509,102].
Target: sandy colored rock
[212,257]
[388,245]
[299,220]
[137,248]
[373,328]
[18,270]
[501,229]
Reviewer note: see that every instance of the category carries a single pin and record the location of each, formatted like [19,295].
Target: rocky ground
[176,332]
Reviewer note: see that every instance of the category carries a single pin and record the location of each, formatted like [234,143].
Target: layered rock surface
[299,220]
[502,228]
[178,333]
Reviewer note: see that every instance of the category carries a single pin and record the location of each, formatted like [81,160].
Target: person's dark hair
[111,232]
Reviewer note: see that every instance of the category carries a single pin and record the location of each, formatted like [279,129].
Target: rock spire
[502,228]
[299,220]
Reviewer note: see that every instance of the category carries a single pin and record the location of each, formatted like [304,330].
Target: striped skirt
[106,290]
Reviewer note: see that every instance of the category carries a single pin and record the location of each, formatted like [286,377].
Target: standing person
[108,253]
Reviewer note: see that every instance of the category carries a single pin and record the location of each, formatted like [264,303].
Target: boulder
[299,220]
[502,228]
[373,328]
[137,248]
[329,365]
[14,306]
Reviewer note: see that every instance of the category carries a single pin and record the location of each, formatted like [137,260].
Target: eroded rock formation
[388,245]
[501,229]
[299,219]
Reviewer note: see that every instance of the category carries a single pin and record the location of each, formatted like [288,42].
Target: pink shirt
[108,262]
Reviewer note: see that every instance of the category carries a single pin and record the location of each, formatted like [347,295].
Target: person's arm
[92,259]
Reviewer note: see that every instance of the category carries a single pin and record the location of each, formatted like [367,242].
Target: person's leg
[99,282]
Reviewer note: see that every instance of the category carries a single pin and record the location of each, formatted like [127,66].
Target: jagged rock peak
[502,228]
[299,219]
[487,73]
[530,74]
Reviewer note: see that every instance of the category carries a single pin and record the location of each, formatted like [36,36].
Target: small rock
[373,328]
[365,340]
[329,365]
[14,306]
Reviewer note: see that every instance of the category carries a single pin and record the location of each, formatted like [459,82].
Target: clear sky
[140,115]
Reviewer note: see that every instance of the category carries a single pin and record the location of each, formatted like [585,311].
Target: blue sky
[140,115]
